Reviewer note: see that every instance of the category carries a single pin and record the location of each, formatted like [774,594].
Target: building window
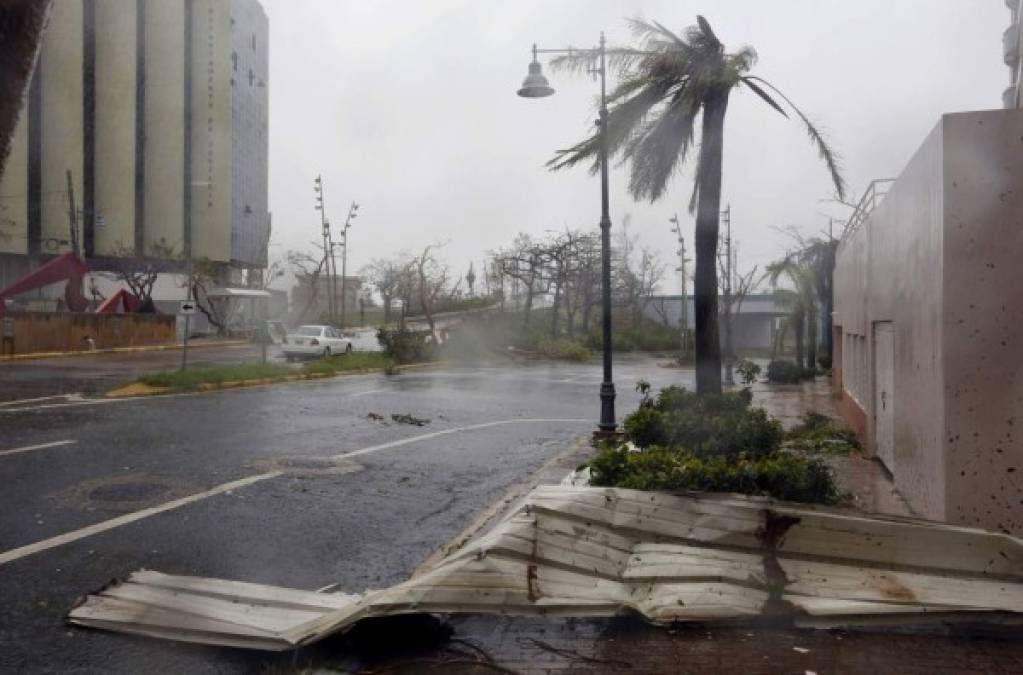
[250,77]
[234,61]
[253,42]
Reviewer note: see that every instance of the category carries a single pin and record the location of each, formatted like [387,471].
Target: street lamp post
[352,214]
[536,86]
[328,249]
[684,314]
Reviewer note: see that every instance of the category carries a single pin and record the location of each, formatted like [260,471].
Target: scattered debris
[375,417]
[801,650]
[583,551]
[405,418]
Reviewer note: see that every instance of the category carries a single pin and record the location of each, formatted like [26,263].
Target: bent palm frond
[829,156]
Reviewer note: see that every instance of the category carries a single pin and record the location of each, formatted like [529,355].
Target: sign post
[186,309]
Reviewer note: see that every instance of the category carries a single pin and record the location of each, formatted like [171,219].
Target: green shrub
[748,371]
[780,475]
[563,348]
[405,345]
[787,372]
[705,425]
[645,427]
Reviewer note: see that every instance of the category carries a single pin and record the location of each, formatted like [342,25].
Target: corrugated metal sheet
[583,551]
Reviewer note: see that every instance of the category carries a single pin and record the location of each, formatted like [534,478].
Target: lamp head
[535,85]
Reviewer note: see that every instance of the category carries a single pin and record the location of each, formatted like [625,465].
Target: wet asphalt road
[364,522]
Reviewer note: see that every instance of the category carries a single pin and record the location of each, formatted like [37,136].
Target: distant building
[754,326]
[309,302]
[158,108]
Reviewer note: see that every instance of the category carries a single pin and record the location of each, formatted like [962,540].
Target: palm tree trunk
[799,321]
[811,338]
[705,280]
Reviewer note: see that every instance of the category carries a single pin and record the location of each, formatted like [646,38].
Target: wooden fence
[38,332]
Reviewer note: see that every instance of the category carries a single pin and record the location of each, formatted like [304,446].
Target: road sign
[186,308]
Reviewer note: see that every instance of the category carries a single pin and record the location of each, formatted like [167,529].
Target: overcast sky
[409,108]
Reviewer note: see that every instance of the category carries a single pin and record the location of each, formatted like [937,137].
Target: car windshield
[308,331]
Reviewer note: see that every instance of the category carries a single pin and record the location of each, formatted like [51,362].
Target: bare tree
[431,282]
[204,278]
[139,273]
[307,269]
[524,262]
[731,301]
[385,275]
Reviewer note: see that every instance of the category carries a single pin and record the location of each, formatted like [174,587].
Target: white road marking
[68,537]
[22,401]
[104,526]
[366,393]
[30,448]
[446,432]
[88,401]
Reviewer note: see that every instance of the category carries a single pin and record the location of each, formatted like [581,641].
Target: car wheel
[348,348]
[326,352]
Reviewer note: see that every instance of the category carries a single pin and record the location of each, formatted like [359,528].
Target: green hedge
[781,475]
[710,442]
[706,425]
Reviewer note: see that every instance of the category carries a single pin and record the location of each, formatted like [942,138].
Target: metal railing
[872,196]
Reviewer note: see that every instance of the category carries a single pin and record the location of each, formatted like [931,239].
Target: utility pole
[328,247]
[727,217]
[684,314]
[72,214]
[188,296]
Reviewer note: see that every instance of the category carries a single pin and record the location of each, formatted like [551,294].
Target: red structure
[67,267]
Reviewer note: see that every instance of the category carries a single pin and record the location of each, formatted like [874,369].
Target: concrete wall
[211,129]
[14,194]
[163,222]
[917,262]
[60,63]
[37,332]
[249,115]
[115,126]
[983,318]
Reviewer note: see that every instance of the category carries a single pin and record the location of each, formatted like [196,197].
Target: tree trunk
[705,280]
[799,328]
[811,338]
[529,305]
[556,307]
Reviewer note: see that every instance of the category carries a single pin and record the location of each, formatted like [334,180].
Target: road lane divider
[30,448]
[135,516]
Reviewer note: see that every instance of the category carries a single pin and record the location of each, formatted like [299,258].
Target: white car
[315,341]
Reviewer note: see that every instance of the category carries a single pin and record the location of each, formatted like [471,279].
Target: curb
[136,389]
[119,350]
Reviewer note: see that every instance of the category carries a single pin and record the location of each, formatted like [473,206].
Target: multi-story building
[153,115]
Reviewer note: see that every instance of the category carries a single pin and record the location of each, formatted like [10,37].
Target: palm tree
[665,85]
[819,255]
[801,301]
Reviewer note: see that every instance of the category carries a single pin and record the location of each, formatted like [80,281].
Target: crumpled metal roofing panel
[584,551]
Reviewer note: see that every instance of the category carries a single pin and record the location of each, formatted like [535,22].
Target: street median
[253,374]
